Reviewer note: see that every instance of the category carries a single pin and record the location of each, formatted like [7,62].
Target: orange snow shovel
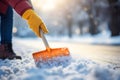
[49,53]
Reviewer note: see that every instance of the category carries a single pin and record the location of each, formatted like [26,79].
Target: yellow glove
[34,22]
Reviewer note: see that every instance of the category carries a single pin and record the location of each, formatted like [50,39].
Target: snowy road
[104,54]
[89,62]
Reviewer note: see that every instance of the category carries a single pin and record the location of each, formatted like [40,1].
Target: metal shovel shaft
[44,39]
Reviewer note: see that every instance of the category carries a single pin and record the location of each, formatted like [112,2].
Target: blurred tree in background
[115,17]
[73,17]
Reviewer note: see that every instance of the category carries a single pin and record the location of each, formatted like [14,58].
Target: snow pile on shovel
[54,62]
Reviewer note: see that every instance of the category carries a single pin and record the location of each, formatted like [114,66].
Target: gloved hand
[34,22]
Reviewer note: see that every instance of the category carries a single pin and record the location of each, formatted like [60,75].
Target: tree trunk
[70,28]
[93,28]
[114,24]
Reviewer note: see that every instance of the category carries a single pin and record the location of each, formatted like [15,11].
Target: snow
[68,68]
[79,69]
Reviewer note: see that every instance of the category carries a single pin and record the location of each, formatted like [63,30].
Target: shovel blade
[50,53]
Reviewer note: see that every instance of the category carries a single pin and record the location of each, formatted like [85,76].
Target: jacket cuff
[20,6]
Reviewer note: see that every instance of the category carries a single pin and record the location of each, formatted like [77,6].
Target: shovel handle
[44,39]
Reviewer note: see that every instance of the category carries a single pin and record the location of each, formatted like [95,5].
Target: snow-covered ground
[76,68]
